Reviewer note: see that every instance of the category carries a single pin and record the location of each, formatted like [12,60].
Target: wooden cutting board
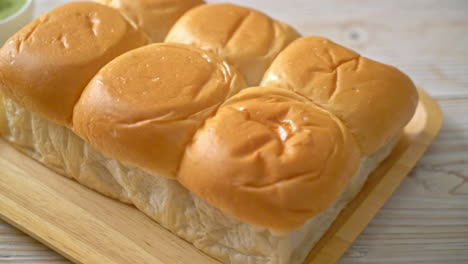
[87,227]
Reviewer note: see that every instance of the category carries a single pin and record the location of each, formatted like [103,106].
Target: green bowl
[14,14]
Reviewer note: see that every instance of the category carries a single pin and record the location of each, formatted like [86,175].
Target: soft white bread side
[145,106]
[375,101]
[246,38]
[167,202]
[47,64]
[58,148]
[154,17]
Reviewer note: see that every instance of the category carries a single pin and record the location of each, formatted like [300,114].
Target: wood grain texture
[426,220]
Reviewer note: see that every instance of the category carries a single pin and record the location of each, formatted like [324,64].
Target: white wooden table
[426,220]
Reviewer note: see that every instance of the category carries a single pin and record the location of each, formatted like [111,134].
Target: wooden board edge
[22,225]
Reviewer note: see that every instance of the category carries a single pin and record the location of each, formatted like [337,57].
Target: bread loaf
[264,153]
[246,38]
[47,64]
[154,17]
[145,106]
[247,174]
[373,99]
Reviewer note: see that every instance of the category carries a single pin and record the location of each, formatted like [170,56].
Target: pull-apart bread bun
[154,17]
[45,66]
[145,106]
[244,37]
[270,158]
[373,99]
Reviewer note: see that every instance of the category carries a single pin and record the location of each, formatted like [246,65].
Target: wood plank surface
[426,220]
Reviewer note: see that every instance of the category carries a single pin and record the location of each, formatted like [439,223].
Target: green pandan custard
[9,7]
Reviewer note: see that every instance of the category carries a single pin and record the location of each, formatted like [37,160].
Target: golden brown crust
[246,38]
[270,158]
[47,64]
[154,17]
[374,100]
[145,106]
